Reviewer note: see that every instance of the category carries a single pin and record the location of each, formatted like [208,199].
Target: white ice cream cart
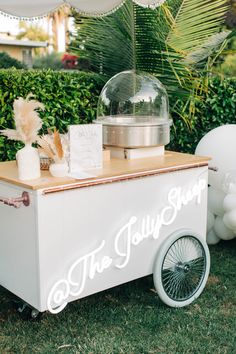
[64,239]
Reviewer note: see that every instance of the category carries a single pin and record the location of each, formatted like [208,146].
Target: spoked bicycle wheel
[181,269]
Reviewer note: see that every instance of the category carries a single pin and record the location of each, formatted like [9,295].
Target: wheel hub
[182,267]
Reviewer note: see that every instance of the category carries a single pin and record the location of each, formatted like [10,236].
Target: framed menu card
[85,146]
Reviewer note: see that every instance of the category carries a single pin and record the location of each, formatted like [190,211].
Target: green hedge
[7,62]
[217,107]
[69,98]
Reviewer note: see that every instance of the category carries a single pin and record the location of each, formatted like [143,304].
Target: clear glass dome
[133,98]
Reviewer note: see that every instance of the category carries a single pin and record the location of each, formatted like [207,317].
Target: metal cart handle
[213,168]
[17,202]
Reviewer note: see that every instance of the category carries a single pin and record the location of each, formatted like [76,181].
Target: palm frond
[132,38]
[165,42]
[208,48]
[195,22]
[153,55]
[108,42]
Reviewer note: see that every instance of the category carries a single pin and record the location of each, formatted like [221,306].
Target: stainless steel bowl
[135,133]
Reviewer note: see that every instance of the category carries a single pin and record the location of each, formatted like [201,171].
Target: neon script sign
[94,262]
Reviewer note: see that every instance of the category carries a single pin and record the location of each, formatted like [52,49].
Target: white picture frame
[86,147]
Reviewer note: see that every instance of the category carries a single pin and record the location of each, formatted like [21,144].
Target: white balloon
[229,202]
[221,230]
[220,145]
[230,219]
[212,238]
[229,182]
[210,220]
[215,201]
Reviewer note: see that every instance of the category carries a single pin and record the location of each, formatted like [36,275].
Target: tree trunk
[55,24]
[67,36]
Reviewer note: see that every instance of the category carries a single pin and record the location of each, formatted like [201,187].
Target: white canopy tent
[30,8]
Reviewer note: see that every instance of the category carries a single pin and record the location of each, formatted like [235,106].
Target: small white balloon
[221,230]
[210,220]
[212,238]
[215,201]
[230,219]
[229,202]
[220,145]
[229,182]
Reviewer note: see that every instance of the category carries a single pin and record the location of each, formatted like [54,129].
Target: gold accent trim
[121,178]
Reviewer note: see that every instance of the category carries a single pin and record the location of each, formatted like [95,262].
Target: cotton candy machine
[134,110]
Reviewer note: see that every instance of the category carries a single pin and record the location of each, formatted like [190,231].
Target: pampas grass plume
[27,120]
[52,146]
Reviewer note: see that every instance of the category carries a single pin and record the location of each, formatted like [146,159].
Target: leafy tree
[231,15]
[32,32]
[228,67]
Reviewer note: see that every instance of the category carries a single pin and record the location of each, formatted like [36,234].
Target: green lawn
[131,319]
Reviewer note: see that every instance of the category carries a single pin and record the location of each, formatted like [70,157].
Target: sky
[8,25]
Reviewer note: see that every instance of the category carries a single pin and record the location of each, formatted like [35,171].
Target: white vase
[59,169]
[28,163]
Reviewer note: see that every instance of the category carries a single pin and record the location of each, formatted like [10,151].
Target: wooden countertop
[113,170]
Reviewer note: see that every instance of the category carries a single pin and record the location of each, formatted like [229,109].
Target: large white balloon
[229,202]
[229,182]
[210,220]
[212,238]
[215,201]
[220,145]
[222,231]
[230,220]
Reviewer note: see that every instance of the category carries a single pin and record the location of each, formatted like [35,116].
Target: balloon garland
[28,10]
[220,145]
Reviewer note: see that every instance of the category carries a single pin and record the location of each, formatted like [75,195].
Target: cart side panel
[18,251]
[85,234]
